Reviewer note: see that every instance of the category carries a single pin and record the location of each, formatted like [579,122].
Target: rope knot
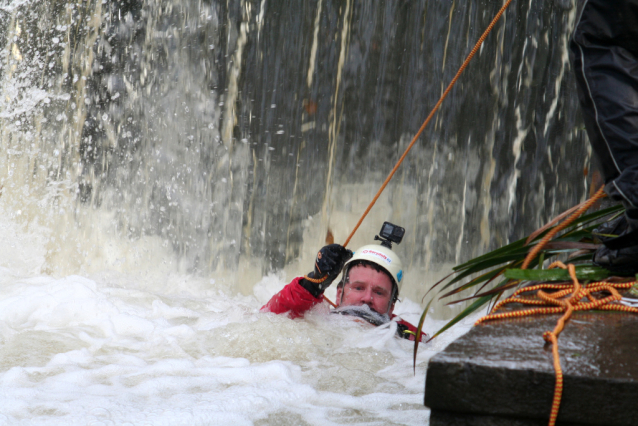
[547,336]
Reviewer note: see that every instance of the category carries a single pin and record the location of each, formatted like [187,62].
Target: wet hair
[368,264]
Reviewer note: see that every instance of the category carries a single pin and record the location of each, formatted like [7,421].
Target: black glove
[329,261]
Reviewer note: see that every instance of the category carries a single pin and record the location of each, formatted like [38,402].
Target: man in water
[369,287]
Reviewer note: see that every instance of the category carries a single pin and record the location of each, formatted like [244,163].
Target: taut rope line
[427,120]
[416,136]
[538,247]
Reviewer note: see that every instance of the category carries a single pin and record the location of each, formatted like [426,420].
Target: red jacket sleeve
[293,298]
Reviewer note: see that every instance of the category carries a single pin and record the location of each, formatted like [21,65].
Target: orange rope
[538,247]
[329,301]
[558,386]
[562,304]
[414,139]
[316,280]
[427,120]
[319,281]
[569,305]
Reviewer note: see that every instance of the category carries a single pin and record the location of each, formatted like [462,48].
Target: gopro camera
[389,234]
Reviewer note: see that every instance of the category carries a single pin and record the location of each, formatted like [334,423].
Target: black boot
[608,230]
[619,255]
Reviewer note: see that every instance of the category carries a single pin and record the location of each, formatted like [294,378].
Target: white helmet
[381,256]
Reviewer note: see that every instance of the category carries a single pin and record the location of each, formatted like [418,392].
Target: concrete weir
[501,373]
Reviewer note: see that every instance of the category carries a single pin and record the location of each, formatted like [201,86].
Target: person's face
[366,286]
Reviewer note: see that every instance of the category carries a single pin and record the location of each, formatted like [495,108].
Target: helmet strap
[394,297]
[344,281]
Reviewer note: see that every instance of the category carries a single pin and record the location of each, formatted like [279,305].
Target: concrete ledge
[502,371]
[446,418]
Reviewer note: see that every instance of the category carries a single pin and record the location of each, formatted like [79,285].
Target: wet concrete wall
[222,127]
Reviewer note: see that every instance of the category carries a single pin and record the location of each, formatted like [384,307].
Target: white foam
[107,349]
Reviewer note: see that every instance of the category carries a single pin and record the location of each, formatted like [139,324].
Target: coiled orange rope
[580,299]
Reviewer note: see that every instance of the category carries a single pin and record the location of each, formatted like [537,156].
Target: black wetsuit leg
[604,51]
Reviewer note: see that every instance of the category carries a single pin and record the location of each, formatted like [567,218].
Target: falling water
[167,166]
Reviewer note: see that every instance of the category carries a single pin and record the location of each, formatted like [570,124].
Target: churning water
[169,349]
[167,166]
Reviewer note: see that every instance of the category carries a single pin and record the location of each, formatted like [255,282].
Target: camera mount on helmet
[390,233]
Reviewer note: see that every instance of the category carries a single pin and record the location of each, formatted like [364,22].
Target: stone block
[502,371]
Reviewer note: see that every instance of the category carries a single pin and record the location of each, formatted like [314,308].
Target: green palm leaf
[482,270]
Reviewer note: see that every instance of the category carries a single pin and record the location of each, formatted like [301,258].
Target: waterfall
[167,166]
[232,135]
